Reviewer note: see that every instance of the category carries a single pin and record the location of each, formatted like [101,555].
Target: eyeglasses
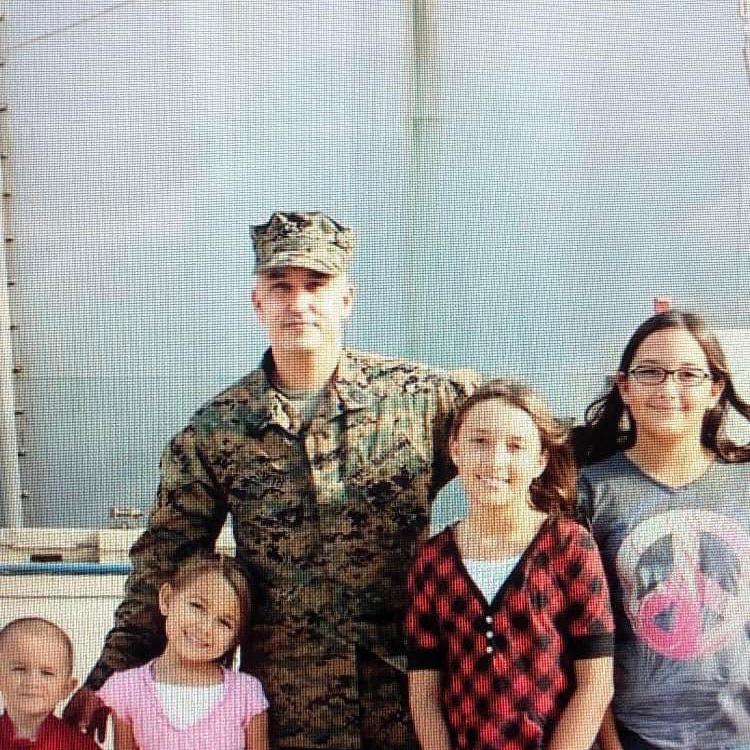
[686,376]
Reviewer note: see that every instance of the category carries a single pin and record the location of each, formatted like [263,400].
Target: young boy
[36,664]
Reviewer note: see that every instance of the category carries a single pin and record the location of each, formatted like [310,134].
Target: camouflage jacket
[325,517]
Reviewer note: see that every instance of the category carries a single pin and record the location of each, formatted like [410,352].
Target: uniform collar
[348,391]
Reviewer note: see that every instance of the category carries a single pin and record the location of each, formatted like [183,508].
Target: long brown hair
[555,489]
[605,432]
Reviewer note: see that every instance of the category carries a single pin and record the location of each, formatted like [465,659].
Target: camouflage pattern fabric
[326,519]
[304,239]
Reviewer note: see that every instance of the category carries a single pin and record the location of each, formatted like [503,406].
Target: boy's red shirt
[54,734]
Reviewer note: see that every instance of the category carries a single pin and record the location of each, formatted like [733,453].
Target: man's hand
[86,711]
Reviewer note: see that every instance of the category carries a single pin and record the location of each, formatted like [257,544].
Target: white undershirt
[490,575]
[185,705]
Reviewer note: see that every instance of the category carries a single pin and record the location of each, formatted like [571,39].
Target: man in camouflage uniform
[327,460]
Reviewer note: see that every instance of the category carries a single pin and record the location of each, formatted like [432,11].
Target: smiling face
[302,310]
[203,618]
[35,673]
[669,410]
[498,453]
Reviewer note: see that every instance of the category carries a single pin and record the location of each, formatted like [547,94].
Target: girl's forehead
[671,344]
[210,583]
[498,415]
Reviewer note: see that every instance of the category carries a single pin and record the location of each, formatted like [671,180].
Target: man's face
[302,310]
[34,674]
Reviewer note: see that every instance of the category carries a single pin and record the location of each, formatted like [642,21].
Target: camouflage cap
[309,240]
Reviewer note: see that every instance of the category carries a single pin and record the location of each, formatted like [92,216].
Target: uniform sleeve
[422,631]
[452,390]
[187,515]
[588,615]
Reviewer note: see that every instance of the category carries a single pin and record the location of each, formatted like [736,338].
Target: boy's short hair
[40,626]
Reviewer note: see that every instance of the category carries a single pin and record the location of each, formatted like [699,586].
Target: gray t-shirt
[304,402]
[678,565]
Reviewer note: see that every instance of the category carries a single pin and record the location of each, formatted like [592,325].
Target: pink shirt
[133,696]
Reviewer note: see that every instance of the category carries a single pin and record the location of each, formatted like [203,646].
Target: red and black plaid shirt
[508,665]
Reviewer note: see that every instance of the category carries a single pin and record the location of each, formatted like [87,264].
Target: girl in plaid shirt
[509,623]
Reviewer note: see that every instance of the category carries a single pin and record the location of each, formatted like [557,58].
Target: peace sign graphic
[686,582]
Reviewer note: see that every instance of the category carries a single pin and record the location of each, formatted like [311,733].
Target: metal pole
[424,191]
[745,18]
[10,477]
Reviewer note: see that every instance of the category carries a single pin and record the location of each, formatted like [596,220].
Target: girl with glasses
[666,495]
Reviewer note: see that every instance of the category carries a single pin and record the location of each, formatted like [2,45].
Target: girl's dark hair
[202,562]
[555,489]
[605,432]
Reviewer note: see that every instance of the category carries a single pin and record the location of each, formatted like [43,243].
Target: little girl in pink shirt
[188,698]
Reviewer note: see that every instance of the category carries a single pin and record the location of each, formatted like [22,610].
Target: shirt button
[489,634]
[488,619]
[489,649]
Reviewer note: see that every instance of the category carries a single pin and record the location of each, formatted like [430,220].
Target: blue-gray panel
[586,155]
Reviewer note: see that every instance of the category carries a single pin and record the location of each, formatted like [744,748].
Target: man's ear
[349,297]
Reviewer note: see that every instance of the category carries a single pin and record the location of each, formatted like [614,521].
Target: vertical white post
[10,480]
[11,508]
[425,190]
[745,18]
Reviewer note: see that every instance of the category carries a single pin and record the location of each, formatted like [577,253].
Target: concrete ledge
[22,545]
[114,544]
[80,545]
[61,587]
